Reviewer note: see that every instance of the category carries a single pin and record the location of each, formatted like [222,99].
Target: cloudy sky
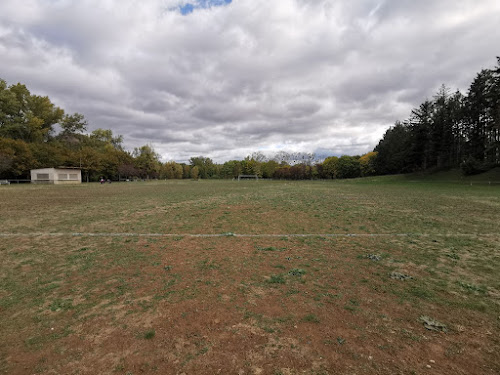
[224,78]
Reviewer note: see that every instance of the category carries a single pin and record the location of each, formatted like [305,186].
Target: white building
[63,175]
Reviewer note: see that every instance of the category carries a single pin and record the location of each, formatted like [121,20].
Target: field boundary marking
[264,235]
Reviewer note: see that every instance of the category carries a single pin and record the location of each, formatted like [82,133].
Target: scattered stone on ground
[374,257]
[400,276]
[433,325]
[460,328]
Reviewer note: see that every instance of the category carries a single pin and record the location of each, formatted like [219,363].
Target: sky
[226,78]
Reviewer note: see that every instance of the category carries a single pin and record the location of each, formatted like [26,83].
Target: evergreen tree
[394,150]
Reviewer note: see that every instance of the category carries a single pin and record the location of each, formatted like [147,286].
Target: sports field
[371,276]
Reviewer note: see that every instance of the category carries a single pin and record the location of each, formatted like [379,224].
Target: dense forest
[452,130]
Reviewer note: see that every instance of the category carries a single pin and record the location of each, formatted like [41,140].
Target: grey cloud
[326,75]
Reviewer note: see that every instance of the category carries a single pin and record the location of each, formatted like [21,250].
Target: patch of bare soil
[237,306]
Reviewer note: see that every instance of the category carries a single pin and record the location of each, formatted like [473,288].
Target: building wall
[56,176]
[42,176]
[67,176]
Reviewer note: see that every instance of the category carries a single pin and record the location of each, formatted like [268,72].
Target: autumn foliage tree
[367,164]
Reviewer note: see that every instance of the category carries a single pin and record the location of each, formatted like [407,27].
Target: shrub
[472,166]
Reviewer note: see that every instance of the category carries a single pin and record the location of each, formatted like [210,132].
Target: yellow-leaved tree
[367,164]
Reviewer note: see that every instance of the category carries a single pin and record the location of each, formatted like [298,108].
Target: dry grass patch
[248,305]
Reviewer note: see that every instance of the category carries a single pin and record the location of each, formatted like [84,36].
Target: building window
[73,177]
[62,176]
[42,176]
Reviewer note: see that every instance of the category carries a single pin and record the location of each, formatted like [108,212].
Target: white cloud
[224,81]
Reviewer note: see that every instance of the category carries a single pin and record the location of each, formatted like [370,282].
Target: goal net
[248,177]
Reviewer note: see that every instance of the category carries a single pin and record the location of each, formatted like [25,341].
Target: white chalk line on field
[264,235]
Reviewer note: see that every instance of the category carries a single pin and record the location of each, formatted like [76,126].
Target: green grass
[150,334]
[394,204]
[269,248]
[276,279]
[310,318]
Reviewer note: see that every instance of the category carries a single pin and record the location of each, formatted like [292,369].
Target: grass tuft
[276,279]
[310,318]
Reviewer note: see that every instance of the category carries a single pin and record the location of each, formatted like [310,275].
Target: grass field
[388,275]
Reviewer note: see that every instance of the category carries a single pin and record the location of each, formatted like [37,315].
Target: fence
[19,181]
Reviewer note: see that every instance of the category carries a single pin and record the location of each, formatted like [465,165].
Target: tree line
[35,133]
[449,130]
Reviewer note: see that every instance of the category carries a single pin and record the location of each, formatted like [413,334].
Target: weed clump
[310,318]
[271,248]
[471,287]
[400,276]
[297,272]
[276,279]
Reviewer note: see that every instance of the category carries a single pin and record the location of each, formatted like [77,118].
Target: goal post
[248,177]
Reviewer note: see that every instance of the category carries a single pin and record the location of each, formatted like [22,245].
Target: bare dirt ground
[230,305]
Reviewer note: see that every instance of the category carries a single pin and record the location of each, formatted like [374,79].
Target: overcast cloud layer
[223,79]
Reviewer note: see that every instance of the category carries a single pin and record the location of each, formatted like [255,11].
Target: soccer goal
[248,177]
